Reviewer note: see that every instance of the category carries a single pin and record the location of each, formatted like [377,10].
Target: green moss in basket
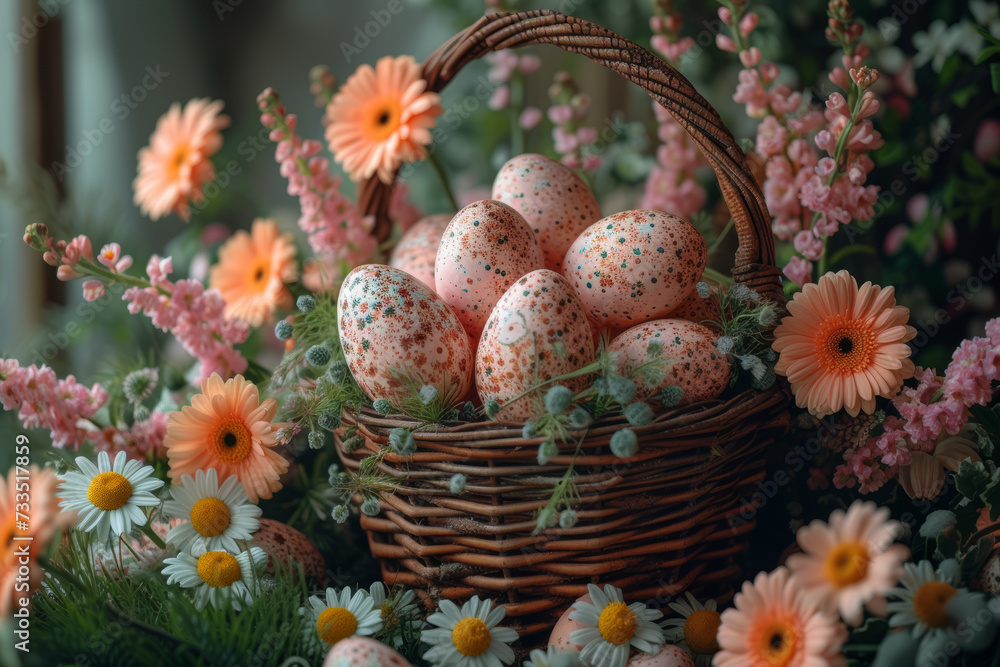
[425,403]
[744,318]
[368,482]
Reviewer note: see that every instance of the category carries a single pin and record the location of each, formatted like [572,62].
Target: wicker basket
[654,525]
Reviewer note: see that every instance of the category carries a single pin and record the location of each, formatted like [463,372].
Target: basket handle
[755,260]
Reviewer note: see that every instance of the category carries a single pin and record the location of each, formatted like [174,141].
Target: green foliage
[110,619]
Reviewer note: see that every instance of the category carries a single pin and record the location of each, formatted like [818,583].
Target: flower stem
[717,276]
[721,237]
[439,170]
[148,531]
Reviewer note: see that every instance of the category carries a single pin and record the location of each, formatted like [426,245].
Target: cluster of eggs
[514,291]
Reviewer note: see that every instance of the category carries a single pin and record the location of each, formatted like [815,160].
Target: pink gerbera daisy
[842,346]
[227,428]
[46,522]
[252,271]
[176,165]
[382,117]
[852,560]
[775,624]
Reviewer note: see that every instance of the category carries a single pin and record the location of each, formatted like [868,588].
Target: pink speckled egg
[691,359]
[668,656]
[564,627]
[393,325]
[538,330]
[363,652]
[484,249]
[552,198]
[288,546]
[417,248]
[635,266]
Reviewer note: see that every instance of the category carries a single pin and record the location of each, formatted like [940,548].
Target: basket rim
[755,262]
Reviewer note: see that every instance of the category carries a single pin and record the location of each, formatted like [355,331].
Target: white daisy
[553,657]
[923,597]
[695,631]
[107,497]
[341,614]
[613,628]
[468,637]
[397,611]
[219,515]
[219,576]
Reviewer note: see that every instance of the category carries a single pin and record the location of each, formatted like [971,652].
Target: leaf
[946,548]
[972,166]
[972,478]
[976,556]
[995,76]
[991,495]
[986,54]
[988,419]
[962,96]
[851,250]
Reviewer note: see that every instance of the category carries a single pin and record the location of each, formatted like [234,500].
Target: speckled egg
[691,359]
[635,266]
[987,580]
[484,249]
[537,331]
[700,310]
[564,627]
[390,324]
[287,546]
[552,198]
[363,652]
[417,248]
[668,656]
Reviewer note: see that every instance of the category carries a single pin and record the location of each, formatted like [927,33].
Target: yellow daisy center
[778,644]
[210,517]
[334,624]
[845,344]
[846,564]
[232,441]
[471,637]
[700,630]
[109,491]
[219,569]
[930,602]
[383,119]
[617,623]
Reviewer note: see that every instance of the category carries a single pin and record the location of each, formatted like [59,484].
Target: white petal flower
[217,514]
[612,628]
[341,614]
[108,496]
[397,611]
[220,577]
[470,636]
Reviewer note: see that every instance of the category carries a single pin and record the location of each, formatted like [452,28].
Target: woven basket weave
[654,525]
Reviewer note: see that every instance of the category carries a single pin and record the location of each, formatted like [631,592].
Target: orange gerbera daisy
[45,521]
[842,346]
[853,561]
[227,428]
[381,118]
[252,271]
[776,624]
[176,165]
